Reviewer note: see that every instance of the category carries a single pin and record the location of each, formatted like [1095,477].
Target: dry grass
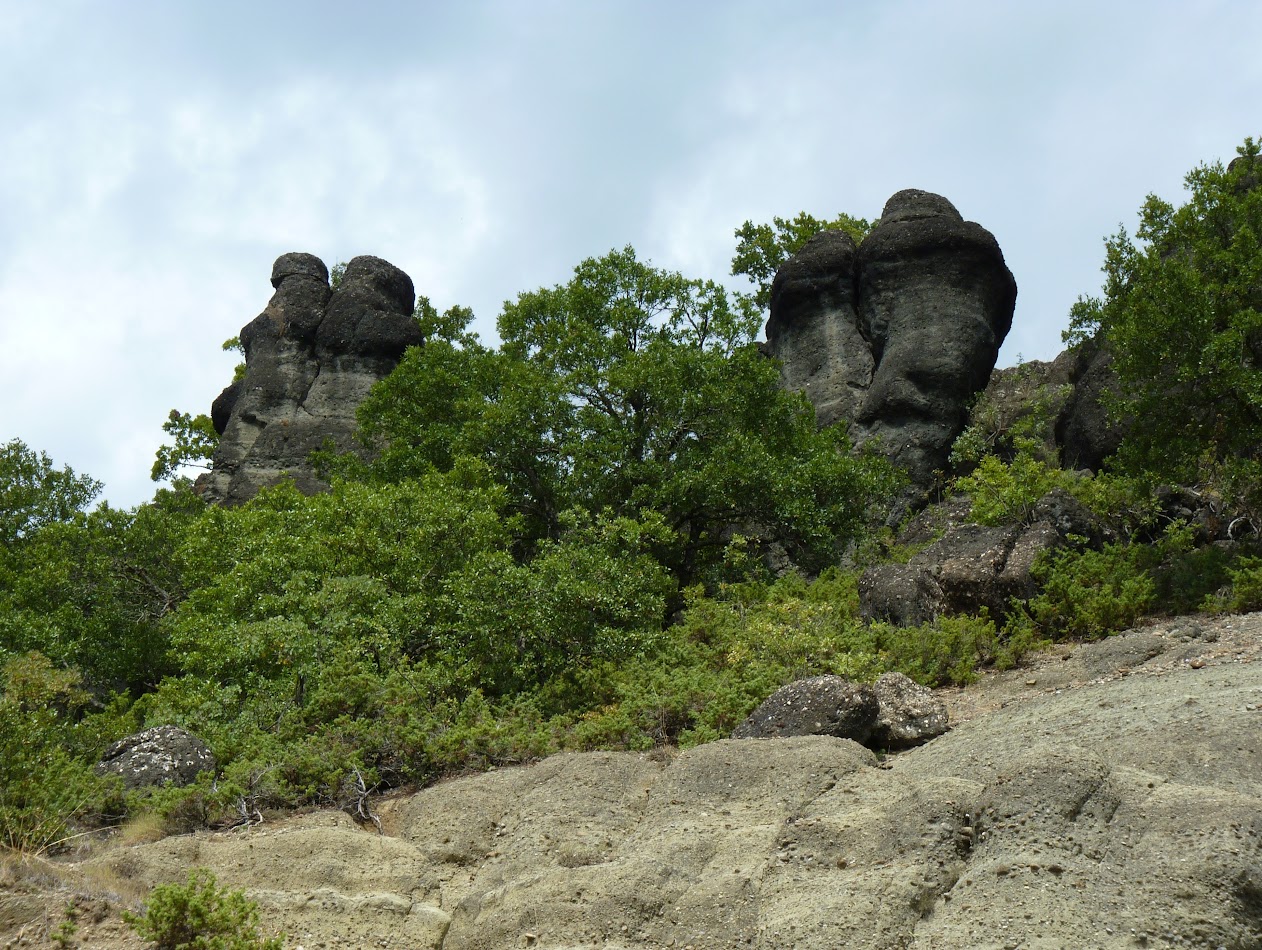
[141,829]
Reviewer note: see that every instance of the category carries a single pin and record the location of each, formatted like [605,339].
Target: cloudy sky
[155,157]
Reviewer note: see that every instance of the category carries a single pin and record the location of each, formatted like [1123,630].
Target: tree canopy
[1181,313]
[34,493]
[628,392]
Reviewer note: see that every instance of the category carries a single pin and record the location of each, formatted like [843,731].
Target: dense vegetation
[580,539]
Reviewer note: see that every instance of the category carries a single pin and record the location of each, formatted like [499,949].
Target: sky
[156,157]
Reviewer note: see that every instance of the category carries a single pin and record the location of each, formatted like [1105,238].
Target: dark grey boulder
[902,594]
[1071,518]
[311,357]
[909,714]
[1085,431]
[818,706]
[895,713]
[897,335]
[163,755]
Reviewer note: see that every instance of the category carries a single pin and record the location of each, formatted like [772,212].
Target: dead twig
[362,809]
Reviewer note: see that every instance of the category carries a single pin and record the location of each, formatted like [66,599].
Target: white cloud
[158,158]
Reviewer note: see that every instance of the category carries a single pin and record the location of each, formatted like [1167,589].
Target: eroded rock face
[164,755]
[311,356]
[897,334]
[814,329]
[1085,432]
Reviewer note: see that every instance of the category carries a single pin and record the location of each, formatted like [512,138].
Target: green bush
[946,651]
[44,787]
[1089,594]
[1005,493]
[200,915]
[1245,591]
[1017,418]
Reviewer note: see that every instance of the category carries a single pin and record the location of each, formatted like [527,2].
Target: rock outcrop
[973,567]
[1085,433]
[897,334]
[163,755]
[311,356]
[1068,399]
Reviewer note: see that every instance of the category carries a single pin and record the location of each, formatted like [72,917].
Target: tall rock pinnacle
[898,334]
[311,356]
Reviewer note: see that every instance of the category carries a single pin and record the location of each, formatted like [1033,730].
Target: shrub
[1089,594]
[1245,592]
[946,651]
[1006,492]
[44,788]
[199,915]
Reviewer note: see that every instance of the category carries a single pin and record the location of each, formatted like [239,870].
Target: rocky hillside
[1106,795]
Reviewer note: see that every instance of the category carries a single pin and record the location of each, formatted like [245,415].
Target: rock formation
[815,706]
[163,755]
[910,714]
[964,568]
[1084,431]
[1069,396]
[897,334]
[311,356]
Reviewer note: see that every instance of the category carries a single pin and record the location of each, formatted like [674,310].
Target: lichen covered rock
[164,755]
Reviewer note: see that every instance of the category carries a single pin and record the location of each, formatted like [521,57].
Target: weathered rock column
[898,334]
[311,356]
[814,327]
[936,301]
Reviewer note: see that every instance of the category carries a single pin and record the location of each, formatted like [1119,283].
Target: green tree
[195,440]
[34,494]
[626,392]
[762,248]
[44,787]
[1182,315]
[94,592]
